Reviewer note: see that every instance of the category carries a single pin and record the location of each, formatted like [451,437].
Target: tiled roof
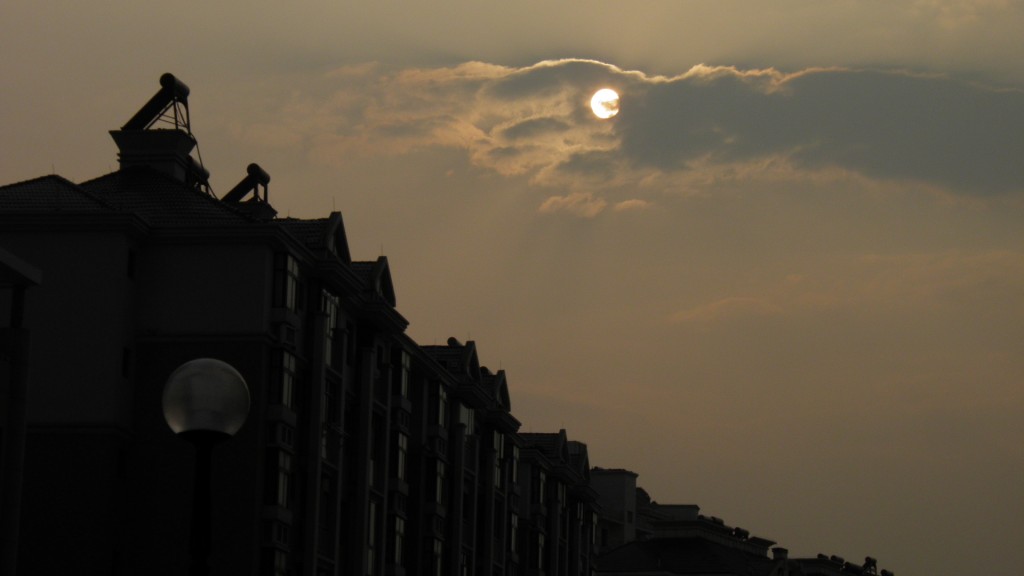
[683,556]
[47,194]
[549,443]
[312,233]
[161,200]
[364,270]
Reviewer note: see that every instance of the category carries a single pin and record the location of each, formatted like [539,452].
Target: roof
[160,199]
[376,276]
[682,556]
[312,233]
[551,444]
[460,359]
[47,194]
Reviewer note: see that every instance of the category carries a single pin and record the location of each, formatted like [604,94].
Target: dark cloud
[883,124]
[890,125]
[533,128]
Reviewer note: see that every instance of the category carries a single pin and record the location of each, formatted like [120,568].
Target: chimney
[164,149]
[167,151]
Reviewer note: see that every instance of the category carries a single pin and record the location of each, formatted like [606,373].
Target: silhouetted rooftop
[161,200]
[683,556]
[49,193]
[550,444]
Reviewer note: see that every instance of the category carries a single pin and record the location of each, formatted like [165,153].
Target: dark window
[371,539]
[400,386]
[513,533]
[333,341]
[499,460]
[399,542]
[437,559]
[279,478]
[439,483]
[401,456]
[283,379]
[287,293]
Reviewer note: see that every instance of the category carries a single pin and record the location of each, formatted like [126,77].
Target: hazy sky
[785,283]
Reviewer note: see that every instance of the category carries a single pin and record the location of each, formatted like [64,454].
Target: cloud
[936,283]
[672,132]
[630,205]
[579,204]
[732,307]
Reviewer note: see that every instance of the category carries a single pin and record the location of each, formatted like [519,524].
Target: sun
[605,103]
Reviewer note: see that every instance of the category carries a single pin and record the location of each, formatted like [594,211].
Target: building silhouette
[636,535]
[364,453]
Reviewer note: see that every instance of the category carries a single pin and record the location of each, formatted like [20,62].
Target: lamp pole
[205,402]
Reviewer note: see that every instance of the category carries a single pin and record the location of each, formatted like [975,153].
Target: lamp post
[205,402]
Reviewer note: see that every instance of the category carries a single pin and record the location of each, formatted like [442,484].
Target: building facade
[364,453]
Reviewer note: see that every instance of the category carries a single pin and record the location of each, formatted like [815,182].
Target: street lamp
[205,402]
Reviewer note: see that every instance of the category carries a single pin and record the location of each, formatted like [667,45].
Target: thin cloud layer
[910,283]
[674,134]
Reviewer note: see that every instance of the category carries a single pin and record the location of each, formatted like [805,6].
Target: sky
[785,283]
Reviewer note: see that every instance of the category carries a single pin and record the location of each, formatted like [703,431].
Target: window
[286,282]
[371,469]
[280,434]
[330,412]
[329,306]
[401,374]
[541,486]
[513,533]
[283,384]
[437,559]
[515,464]
[399,557]
[499,459]
[439,483]
[539,560]
[279,475]
[284,475]
[467,417]
[401,456]
[277,533]
[442,406]
[371,538]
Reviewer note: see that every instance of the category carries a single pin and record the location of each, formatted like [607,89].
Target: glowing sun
[605,103]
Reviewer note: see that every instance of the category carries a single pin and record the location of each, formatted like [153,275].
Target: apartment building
[363,452]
